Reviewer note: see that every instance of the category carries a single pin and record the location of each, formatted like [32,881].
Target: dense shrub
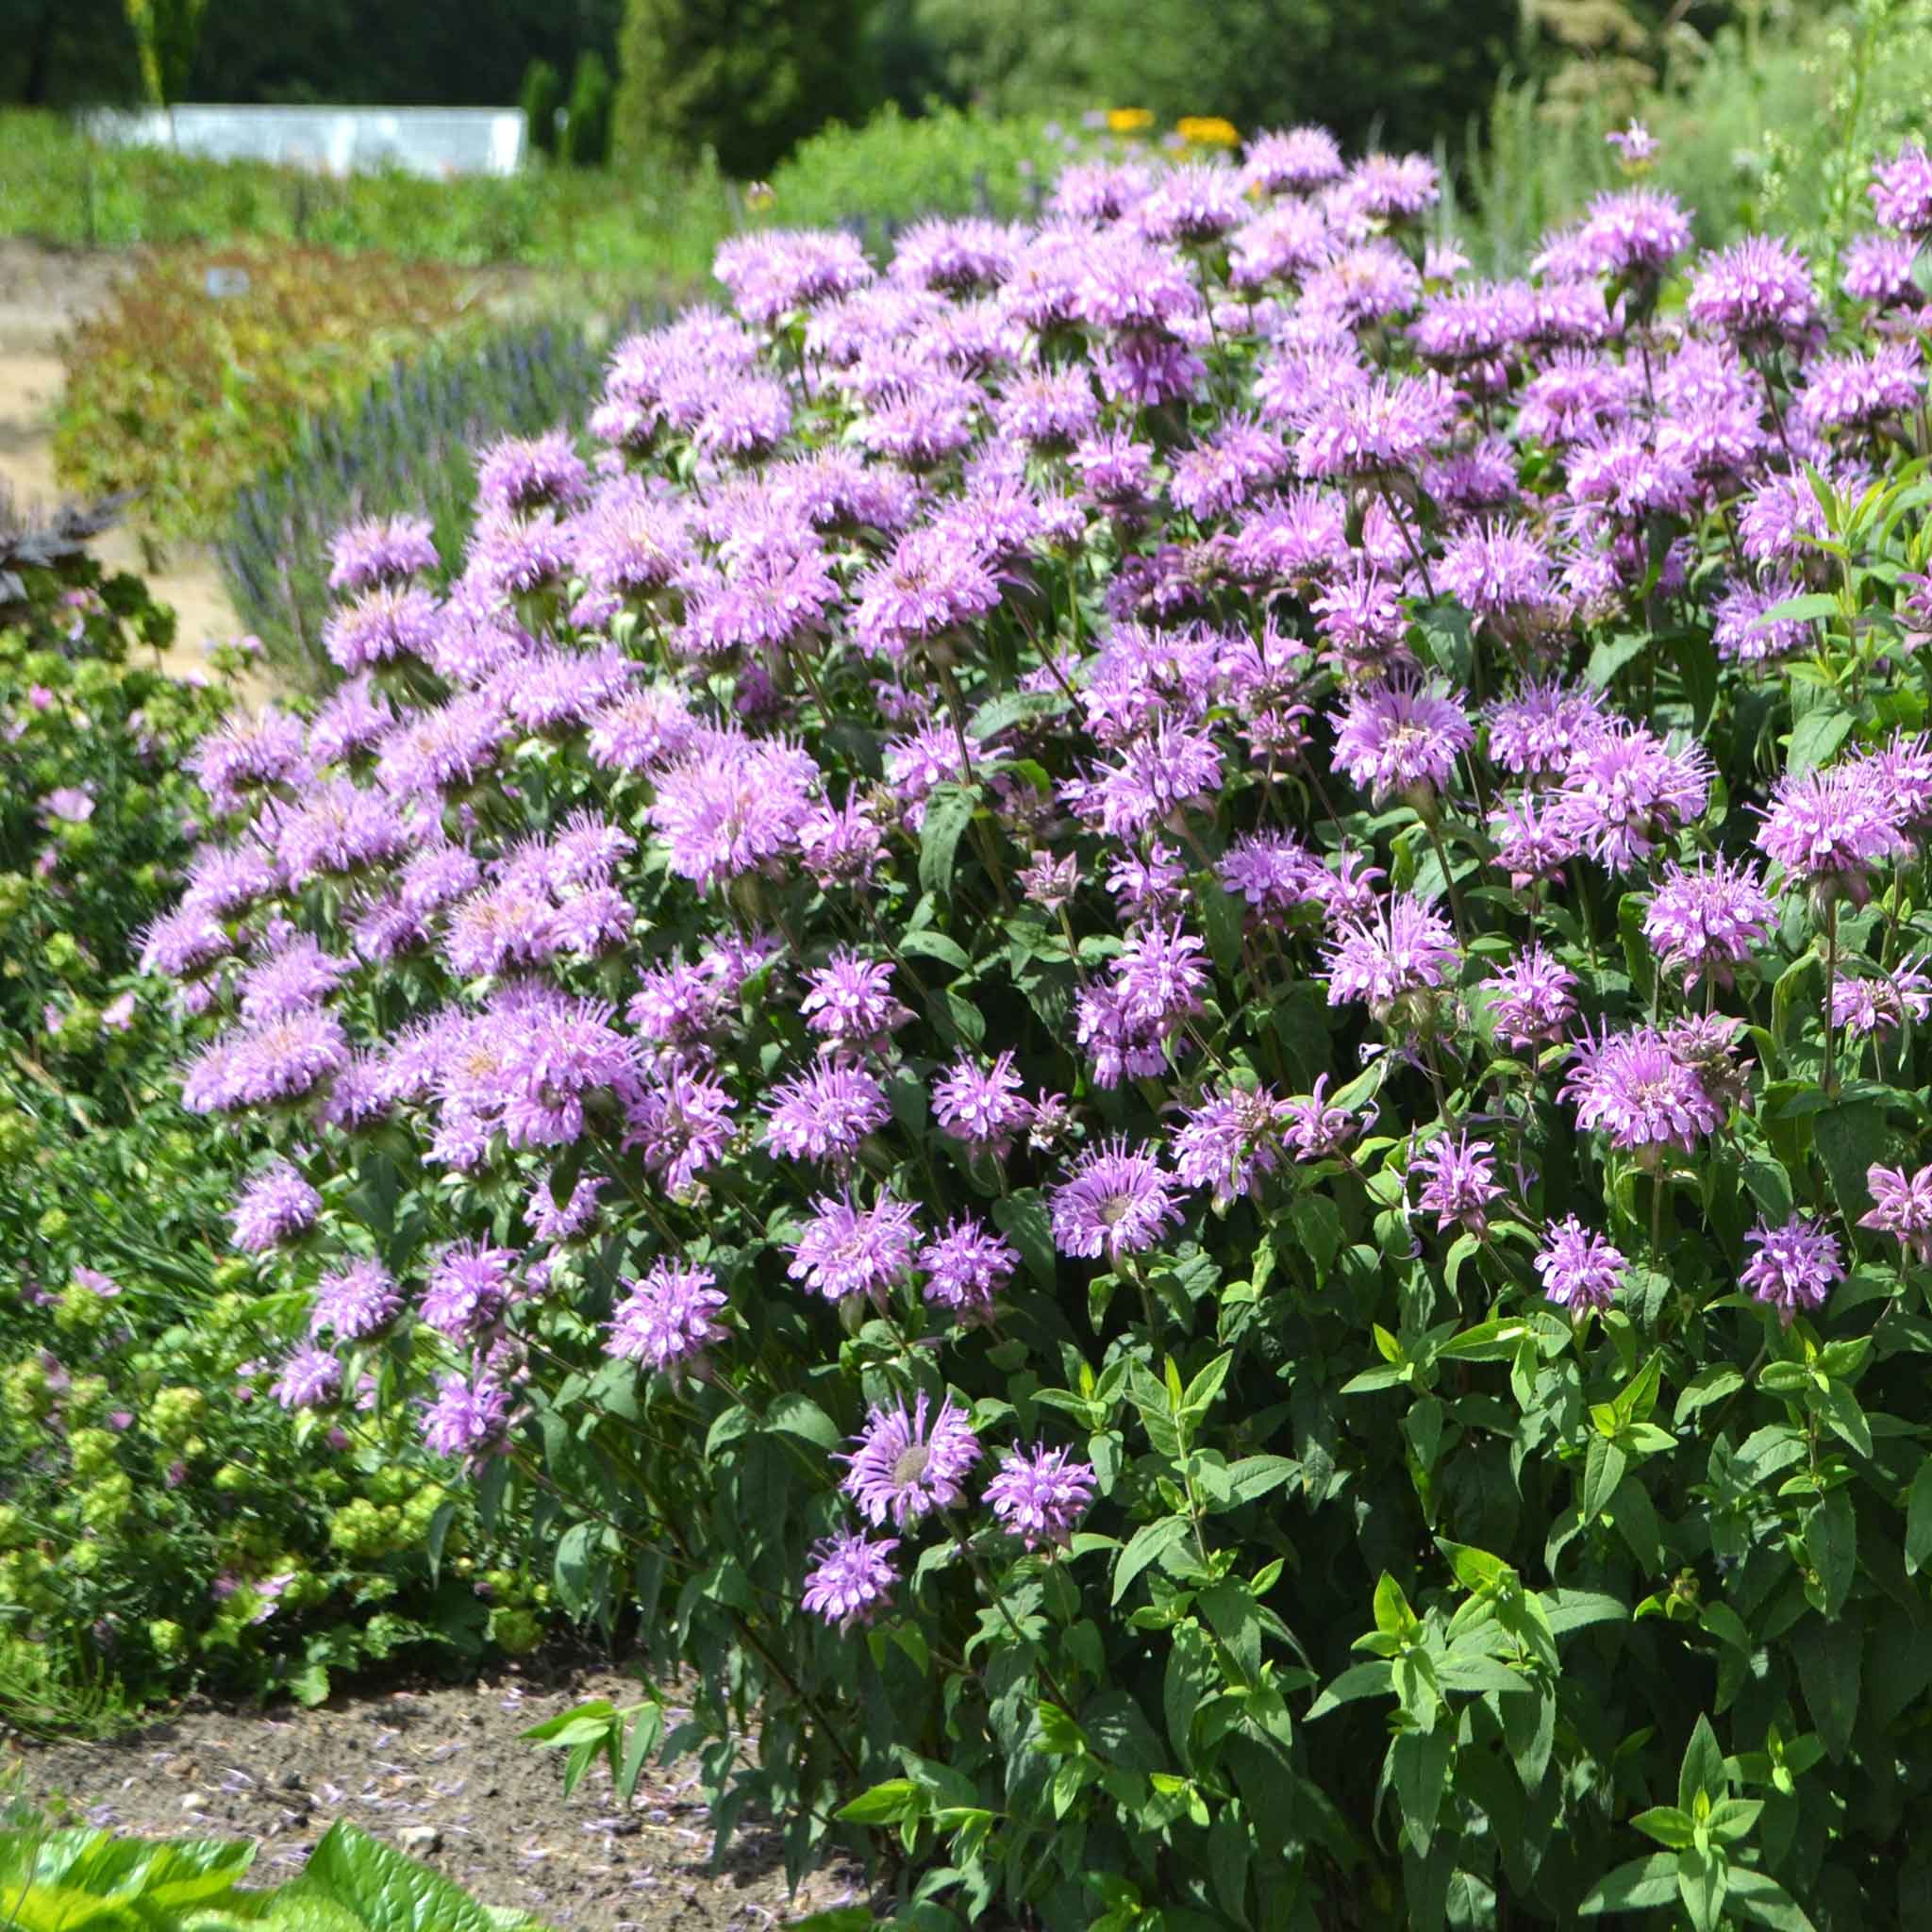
[163,1521]
[196,374]
[892,170]
[1143,1016]
[586,133]
[407,443]
[744,80]
[541,102]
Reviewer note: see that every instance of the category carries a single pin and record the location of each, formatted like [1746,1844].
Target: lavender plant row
[1133,1010]
[407,445]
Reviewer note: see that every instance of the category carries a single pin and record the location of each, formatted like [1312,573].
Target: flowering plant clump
[1085,959]
[163,1521]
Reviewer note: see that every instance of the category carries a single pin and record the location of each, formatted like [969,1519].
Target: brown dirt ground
[450,1758]
[44,291]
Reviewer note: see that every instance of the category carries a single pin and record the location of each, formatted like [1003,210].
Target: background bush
[407,443]
[182,393]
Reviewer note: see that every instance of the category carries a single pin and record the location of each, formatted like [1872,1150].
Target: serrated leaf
[1148,1544]
[948,813]
[1022,1217]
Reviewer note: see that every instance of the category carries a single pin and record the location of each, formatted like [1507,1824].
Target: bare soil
[451,1759]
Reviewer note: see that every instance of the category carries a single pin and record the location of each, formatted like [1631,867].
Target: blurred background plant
[197,372]
[406,443]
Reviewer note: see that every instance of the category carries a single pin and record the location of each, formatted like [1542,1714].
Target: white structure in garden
[436,142]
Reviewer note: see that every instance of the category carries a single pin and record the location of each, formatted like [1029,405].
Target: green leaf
[1640,1886]
[574,1571]
[1317,1226]
[1919,1520]
[1667,1824]
[1376,1679]
[936,945]
[1012,708]
[1419,1762]
[1815,737]
[383,1889]
[1702,1884]
[1830,1664]
[1831,1539]
[1800,609]
[792,1414]
[885,1804]
[1703,1770]
[1759,1896]
[1022,1217]
[1602,1470]
[1849,1138]
[948,813]
[1149,1542]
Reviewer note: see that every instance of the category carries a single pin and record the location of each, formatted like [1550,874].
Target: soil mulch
[443,1772]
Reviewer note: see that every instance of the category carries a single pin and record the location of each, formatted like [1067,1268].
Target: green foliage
[165,36]
[893,170]
[745,80]
[655,224]
[66,1880]
[586,133]
[407,444]
[182,393]
[1769,124]
[541,101]
[1400,73]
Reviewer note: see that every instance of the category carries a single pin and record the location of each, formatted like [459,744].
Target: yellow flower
[1207,130]
[1129,120]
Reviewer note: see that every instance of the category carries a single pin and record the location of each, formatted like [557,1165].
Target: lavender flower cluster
[978,771]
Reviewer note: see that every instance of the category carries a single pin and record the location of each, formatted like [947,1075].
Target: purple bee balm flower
[281,1060]
[553,1220]
[1739,632]
[1498,570]
[668,1319]
[981,1106]
[681,1124]
[1383,430]
[1297,158]
[1900,1206]
[469,1287]
[1114,1201]
[338,829]
[380,551]
[849,1003]
[1313,1128]
[310,1378]
[297,977]
[1533,999]
[902,1469]
[1041,1494]
[356,1301]
[1228,1142]
[1538,730]
[1794,1267]
[1401,737]
[1830,827]
[391,621]
[824,1113]
[1458,1181]
[1160,977]
[1705,923]
[467,1420]
[1625,791]
[1049,882]
[851,1577]
[1159,775]
[275,1206]
[966,1266]
[1901,191]
[1636,232]
[1403,948]
[1580,1270]
[1640,1092]
[71,805]
[1867,1006]
[733,806]
[931,581]
[1883,269]
[843,1250]
[1758,293]
[525,474]
[180,944]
